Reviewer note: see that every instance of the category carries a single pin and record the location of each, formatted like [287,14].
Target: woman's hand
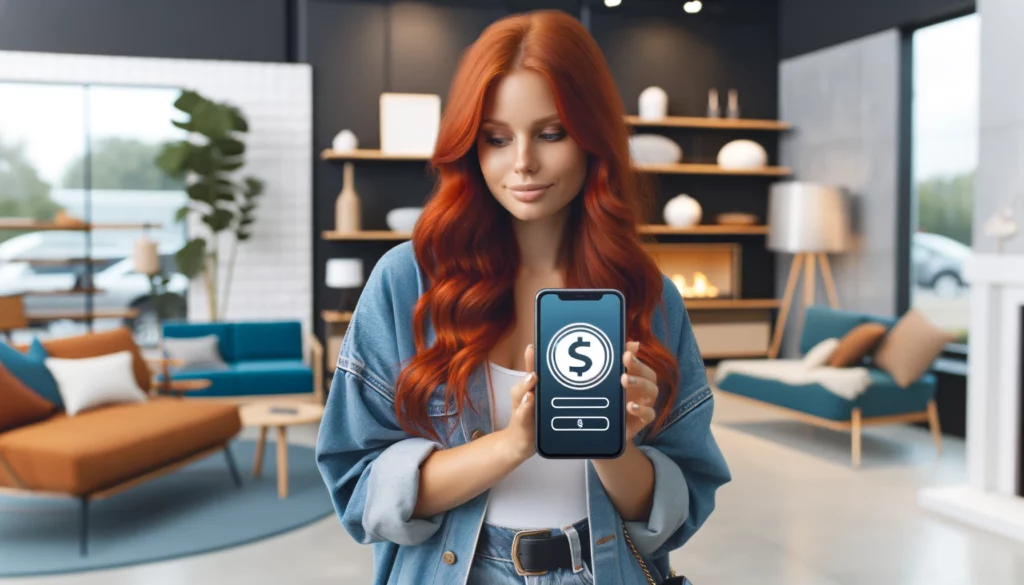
[520,434]
[641,385]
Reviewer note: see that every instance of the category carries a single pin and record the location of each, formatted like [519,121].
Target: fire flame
[701,287]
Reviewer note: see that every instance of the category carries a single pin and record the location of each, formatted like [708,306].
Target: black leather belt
[534,552]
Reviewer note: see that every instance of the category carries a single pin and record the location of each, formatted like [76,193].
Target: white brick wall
[273,271]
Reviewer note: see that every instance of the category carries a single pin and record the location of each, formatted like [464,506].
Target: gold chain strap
[643,565]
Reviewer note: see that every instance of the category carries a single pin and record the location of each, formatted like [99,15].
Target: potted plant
[207,159]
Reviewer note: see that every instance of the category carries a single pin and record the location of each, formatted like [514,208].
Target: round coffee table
[279,415]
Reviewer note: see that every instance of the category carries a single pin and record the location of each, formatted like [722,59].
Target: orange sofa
[104,451]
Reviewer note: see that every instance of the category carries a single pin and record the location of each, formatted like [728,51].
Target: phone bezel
[570,294]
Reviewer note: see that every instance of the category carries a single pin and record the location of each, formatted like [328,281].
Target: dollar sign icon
[579,356]
[575,354]
[579,423]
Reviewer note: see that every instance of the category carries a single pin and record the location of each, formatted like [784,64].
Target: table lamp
[808,220]
[345,274]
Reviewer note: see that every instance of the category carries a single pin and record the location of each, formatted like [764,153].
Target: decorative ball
[345,141]
[403,219]
[742,154]
[653,103]
[654,149]
[682,211]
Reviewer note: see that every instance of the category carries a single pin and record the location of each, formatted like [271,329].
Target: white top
[540,493]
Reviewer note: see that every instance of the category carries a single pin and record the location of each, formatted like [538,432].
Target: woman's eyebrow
[538,122]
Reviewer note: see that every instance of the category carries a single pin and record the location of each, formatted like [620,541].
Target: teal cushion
[882,398]
[267,340]
[253,378]
[809,398]
[221,330]
[30,368]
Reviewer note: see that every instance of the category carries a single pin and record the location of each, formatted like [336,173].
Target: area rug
[196,509]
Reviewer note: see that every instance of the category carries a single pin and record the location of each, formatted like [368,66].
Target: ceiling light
[612,3]
[693,6]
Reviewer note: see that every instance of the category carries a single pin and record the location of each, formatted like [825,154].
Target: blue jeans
[492,562]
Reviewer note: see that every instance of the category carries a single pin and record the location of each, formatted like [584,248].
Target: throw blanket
[848,383]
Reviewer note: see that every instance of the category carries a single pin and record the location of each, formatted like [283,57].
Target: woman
[427,443]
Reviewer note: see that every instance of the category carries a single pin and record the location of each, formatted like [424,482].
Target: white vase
[403,219]
[682,211]
[653,103]
[345,141]
[742,154]
[654,149]
[346,207]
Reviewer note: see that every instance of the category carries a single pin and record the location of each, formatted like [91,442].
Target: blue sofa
[263,359]
[883,402]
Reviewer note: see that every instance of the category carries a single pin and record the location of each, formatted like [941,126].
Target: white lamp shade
[344,273]
[807,217]
[145,259]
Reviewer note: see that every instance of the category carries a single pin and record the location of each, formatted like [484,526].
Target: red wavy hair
[462,239]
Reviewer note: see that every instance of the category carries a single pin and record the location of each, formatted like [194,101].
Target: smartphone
[580,408]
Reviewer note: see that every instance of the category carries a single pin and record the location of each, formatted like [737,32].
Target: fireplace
[700,271]
[992,497]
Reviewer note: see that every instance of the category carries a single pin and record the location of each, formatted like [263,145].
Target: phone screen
[578,355]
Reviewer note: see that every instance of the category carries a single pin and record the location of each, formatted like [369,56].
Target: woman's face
[531,166]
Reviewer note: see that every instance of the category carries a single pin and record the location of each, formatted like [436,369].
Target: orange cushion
[19,405]
[857,343]
[101,448]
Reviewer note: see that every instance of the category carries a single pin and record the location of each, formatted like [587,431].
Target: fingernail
[635,406]
[632,379]
[525,398]
[530,346]
[531,377]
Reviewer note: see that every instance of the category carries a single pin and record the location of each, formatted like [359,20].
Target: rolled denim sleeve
[688,464]
[371,466]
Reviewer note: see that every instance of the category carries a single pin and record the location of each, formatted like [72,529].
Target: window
[88,152]
[944,143]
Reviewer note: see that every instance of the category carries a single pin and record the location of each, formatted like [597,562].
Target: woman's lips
[528,193]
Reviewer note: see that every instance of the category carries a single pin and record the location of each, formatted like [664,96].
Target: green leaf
[172,158]
[246,208]
[238,121]
[187,101]
[230,147]
[202,191]
[182,213]
[202,160]
[226,196]
[190,257]
[211,119]
[219,220]
[234,166]
[187,126]
[253,187]
[247,221]
[242,236]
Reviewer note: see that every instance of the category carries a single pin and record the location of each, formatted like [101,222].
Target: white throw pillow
[193,351]
[87,383]
[821,353]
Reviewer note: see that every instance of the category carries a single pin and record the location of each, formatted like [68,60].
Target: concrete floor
[796,513]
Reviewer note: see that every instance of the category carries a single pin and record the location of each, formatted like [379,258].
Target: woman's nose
[526,159]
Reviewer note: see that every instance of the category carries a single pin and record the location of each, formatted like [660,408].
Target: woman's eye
[553,136]
[496,140]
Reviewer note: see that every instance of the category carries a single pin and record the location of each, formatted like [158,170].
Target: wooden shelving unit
[652,229]
[17,223]
[81,315]
[712,123]
[706,169]
[732,355]
[56,293]
[729,304]
[336,316]
[369,154]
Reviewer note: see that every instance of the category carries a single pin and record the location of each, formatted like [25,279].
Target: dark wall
[246,30]
[359,49]
[809,25]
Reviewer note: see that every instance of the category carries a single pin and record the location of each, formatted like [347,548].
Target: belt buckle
[515,551]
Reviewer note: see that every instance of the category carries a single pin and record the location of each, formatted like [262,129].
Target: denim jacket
[371,466]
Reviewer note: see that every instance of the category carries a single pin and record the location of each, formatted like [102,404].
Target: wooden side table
[279,415]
